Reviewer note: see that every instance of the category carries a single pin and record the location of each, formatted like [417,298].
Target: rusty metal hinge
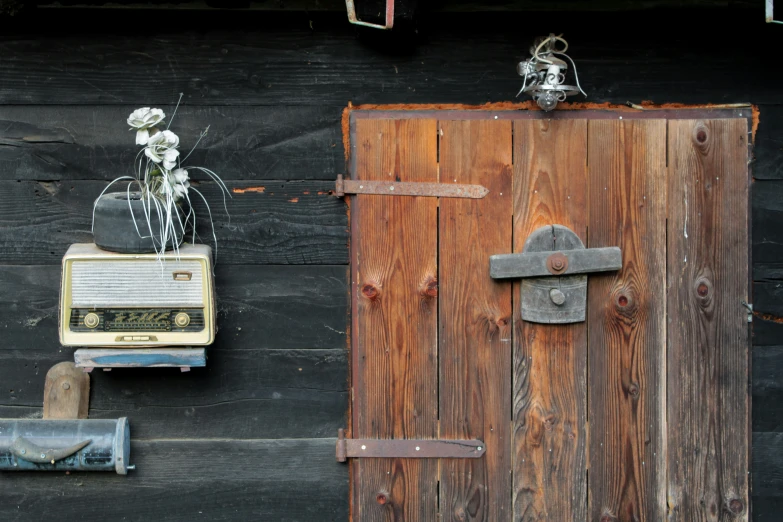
[408,188]
[355,20]
[407,449]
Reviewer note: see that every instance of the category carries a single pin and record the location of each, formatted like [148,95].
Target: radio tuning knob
[91,320]
[182,319]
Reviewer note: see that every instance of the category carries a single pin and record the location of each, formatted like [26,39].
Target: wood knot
[371,291]
[549,422]
[703,288]
[736,506]
[503,321]
[633,390]
[624,301]
[430,287]
[381,498]
[608,518]
[701,135]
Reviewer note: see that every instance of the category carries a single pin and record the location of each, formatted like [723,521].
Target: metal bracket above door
[407,448]
[551,263]
[408,188]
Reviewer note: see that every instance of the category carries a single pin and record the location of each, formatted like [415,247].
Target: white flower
[142,137]
[145,118]
[178,179]
[170,159]
[170,139]
[161,143]
[179,176]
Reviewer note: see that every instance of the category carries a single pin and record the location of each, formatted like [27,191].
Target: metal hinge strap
[408,188]
[407,449]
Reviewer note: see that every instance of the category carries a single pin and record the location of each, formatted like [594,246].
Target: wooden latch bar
[408,188]
[407,449]
[567,262]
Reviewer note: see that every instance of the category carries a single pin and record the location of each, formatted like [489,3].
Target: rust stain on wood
[243,190]
[395,359]
[708,407]
[549,400]
[475,320]
[293,200]
[627,320]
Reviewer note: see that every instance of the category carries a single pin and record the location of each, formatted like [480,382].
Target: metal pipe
[65,445]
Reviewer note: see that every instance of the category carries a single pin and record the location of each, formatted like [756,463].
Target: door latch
[553,264]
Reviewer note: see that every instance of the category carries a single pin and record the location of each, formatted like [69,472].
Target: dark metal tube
[65,445]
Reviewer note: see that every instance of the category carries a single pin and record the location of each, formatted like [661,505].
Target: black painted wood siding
[251,436]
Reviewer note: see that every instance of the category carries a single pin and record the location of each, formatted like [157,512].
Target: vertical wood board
[395,349]
[626,321]
[549,394]
[707,380]
[475,320]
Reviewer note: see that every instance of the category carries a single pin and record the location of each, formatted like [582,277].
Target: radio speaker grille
[140,283]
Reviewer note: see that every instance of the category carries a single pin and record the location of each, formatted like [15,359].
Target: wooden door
[639,413]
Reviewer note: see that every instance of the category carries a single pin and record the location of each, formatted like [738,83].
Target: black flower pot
[114,229]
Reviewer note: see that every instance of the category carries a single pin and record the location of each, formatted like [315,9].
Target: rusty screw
[557,263]
[381,499]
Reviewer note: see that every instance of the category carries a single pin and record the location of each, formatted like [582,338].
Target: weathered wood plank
[767,313]
[708,335]
[550,392]
[767,215]
[766,508]
[66,392]
[93,142]
[271,222]
[768,145]
[627,321]
[185,480]
[768,465]
[240,59]
[767,388]
[259,307]
[294,393]
[475,314]
[395,371]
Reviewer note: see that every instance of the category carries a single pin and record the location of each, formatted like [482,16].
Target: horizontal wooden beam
[259,307]
[48,143]
[185,479]
[245,393]
[268,222]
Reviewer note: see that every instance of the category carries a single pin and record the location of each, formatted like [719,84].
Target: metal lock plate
[553,264]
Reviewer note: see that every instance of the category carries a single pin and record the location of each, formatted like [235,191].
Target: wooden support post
[66,392]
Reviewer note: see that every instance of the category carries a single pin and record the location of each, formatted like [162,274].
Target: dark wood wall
[251,436]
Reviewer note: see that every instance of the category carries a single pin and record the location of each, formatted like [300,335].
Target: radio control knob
[182,319]
[91,320]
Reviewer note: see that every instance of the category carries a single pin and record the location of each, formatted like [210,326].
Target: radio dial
[182,319]
[91,320]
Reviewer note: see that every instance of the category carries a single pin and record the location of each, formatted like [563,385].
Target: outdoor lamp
[544,73]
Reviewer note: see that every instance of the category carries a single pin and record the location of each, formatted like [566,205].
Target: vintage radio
[137,300]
